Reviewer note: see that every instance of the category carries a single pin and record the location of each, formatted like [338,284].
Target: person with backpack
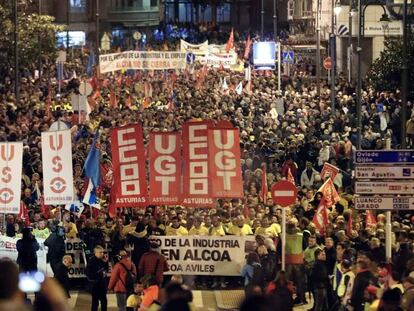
[122,279]
[253,275]
[153,263]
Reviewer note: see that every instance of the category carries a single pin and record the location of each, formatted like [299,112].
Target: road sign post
[388,176]
[284,193]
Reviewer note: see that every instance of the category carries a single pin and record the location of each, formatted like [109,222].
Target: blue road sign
[383,156]
[190,58]
[288,57]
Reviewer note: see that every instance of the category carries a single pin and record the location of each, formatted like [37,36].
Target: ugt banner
[196,49]
[128,160]
[225,168]
[142,60]
[11,155]
[57,167]
[205,255]
[164,153]
[196,182]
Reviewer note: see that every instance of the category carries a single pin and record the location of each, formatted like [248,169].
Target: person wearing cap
[118,279]
[407,300]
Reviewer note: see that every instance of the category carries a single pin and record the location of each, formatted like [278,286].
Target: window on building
[154,3]
[223,13]
[78,6]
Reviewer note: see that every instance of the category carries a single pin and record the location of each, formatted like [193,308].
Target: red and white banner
[57,167]
[224,166]
[329,170]
[196,182]
[11,155]
[164,153]
[128,160]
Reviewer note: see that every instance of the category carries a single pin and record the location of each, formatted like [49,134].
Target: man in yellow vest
[295,268]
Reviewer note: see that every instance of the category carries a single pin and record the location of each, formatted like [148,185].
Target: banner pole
[283,238]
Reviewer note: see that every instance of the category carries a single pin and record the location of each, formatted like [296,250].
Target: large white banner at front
[142,60]
[205,255]
[10,177]
[57,167]
[8,250]
[196,49]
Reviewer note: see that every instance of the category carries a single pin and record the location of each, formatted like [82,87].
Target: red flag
[230,43]
[370,220]
[321,219]
[329,170]
[24,214]
[119,81]
[247,49]
[111,205]
[265,189]
[44,209]
[113,101]
[330,196]
[128,102]
[290,176]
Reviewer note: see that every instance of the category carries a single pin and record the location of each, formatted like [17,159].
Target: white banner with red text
[57,167]
[142,60]
[128,160]
[205,255]
[11,155]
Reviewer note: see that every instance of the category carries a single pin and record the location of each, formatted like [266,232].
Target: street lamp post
[16,54]
[318,48]
[336,10]
[361,30]
[262,20]
[97,31]
[404,80]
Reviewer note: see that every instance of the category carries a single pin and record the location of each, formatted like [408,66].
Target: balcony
[134,13]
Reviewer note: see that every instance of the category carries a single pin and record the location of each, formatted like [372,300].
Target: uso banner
[74,248]
[225,167]
[196,182]
[164,153]
[141,60]
[11,155]
[57,167]
[196,49]
[205,255]
[128,160]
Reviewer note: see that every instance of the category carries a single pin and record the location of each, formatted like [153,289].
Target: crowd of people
[290,133]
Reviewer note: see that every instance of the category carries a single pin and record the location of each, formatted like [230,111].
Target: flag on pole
[370,220]
[230,42]
[36,194]
[321,218]
[91,63]
[247,49]
[290,177]
[113,101]
[44,209]
[329,170]
[75,207]
[24,214]
[92,163]
[225,87]
[330,195]
[91,196]
[265,189]
[239,88]
[350,224]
